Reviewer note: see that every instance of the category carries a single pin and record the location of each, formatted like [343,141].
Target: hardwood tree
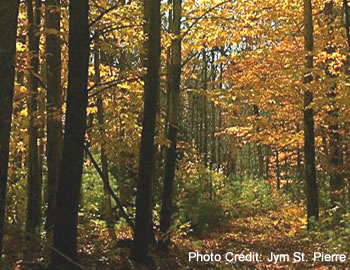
[33,222]
[146,159]
[54,104]
[309,132]
[174,77]
[68,192]
[8,31]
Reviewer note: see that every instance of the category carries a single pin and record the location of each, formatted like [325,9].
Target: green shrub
[199,205]
[248,197]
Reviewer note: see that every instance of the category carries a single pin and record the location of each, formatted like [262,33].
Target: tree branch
[110,190]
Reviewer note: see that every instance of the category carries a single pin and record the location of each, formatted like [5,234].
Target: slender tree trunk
[197,121]
[200,123]
[259,147]
[267,163]
[299,165]
[286,167]
[192,109]
[34,188]
[278,171]
[213,117]
[174,99]
[309,133]
[8,29]
[104,162]
[54,105]
[249,161]
[219,140]
[68,192]
[151,88]
[205,108]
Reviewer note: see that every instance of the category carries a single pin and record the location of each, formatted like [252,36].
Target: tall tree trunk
[147,11]
[174,99]
[197,122]
[347,61]
[104,162]
[219,140]
[151,89]
[68,192]
[309,133]
[335,146]
[213,116]
[54,105]
[8,30]
[34,187]
[204,108]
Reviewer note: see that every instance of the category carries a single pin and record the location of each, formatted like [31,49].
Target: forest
[177,134]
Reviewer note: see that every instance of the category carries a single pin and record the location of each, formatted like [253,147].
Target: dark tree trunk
[204,108]
[299,165]
[309,133]
[54,105]
[259,147]
[8,29]
[34,187]
[67,201]
[219,140]
[335,147]
[267,163]
[151,88]
[278,171]
[213,116]
[347,63]
[174,99]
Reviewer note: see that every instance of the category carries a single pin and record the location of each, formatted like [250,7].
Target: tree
[146,159]
[335,145]
[309,133]
[68,192]
[174,77]
[8,30]
[33,222]
[54,104]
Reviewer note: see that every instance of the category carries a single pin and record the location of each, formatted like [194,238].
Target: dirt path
[259,236]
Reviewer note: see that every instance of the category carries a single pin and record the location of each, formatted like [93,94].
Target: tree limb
[110,190]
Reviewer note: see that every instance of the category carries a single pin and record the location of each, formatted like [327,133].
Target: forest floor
[280,232]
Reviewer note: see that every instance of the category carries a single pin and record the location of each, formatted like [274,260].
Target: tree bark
[8,29]
[278,171]
[34,188]
[347,61]
[267,162]
[54,105]
[174,99]
[259,147]
[204,108]
[151,89]
[309,133]
[213,116]
[68,192]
